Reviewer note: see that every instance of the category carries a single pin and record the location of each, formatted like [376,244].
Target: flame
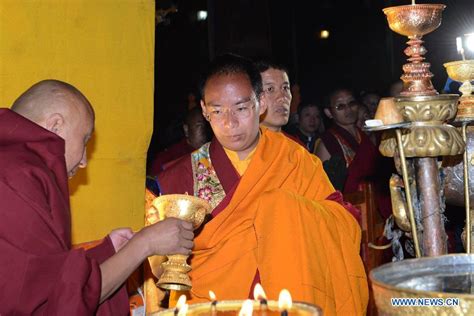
[284,300]
[259,293]
[212,296]
[181,302]
[183,310]
[247,308]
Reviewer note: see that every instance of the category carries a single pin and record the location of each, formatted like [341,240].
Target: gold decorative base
[175,274]
[425,141]
[440,108]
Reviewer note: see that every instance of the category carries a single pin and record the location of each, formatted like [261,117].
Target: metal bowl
[414,20]
[461,70]
[442,278]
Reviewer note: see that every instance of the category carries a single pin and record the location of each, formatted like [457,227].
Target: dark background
[361,52]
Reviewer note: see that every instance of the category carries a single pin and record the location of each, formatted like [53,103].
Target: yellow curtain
[106,49]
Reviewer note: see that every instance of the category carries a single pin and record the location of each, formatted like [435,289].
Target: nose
[284,94]
[229,120]
[83,162]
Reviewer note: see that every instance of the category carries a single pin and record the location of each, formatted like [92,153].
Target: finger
[183,251]
[188,244]
[186,225]
[188,235]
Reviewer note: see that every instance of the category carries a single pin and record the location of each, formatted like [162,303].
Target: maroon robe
[169,155]
[39,273]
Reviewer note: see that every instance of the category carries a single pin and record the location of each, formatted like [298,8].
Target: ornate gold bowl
[442,277]
[188,208]
[439,108]
[414,20]
[462,70]
[231,308]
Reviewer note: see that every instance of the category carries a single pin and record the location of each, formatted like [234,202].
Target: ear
[263,104]
[54,123]
[186,130]
[328,113]
[204,111]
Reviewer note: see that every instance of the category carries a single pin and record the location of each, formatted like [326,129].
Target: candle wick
[176,311]
[284,313]
[214,303]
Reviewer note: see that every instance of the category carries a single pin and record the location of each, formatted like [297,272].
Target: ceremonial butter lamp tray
[232,307]
[462,120]
[444,278]
[386,127]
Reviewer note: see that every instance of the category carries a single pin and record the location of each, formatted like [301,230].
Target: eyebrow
[241,101]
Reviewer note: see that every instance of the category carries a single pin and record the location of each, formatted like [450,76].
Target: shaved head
[62,109]
[49,96]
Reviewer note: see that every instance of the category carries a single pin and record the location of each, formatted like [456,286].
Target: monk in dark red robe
[42,142]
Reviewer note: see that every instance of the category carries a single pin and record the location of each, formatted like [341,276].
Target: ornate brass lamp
[427,136]
[463,71]
[188,208]
[415,21]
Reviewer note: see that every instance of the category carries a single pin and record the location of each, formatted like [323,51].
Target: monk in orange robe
[276,218]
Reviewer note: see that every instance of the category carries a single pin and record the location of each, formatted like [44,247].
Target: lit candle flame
[181,302]
[259,293]
[284,300]
[459,47]
[212,296]
[247,308]
[183,310]
[412,2]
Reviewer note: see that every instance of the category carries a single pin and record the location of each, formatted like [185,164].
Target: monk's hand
[170,236]
[120,237]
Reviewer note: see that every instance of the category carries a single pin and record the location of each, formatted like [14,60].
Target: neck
[244,153]
[306,133]
[352,129]
[272,128]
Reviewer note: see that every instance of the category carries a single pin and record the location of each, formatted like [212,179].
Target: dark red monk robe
[39,273]
[170,154]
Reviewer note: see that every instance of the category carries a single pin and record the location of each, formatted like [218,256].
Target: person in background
[363,115]
[371,101]
[310,125]
[395,88]
[277,95]
[196,133]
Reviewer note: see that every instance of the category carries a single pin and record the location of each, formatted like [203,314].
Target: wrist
[143,247]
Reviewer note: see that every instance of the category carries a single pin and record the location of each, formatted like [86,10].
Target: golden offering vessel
[415,21]
[189,208]
[463,71]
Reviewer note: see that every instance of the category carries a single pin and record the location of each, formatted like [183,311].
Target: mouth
[233,137]
[282,110]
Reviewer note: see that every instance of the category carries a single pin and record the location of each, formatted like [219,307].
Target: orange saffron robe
[279,222]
